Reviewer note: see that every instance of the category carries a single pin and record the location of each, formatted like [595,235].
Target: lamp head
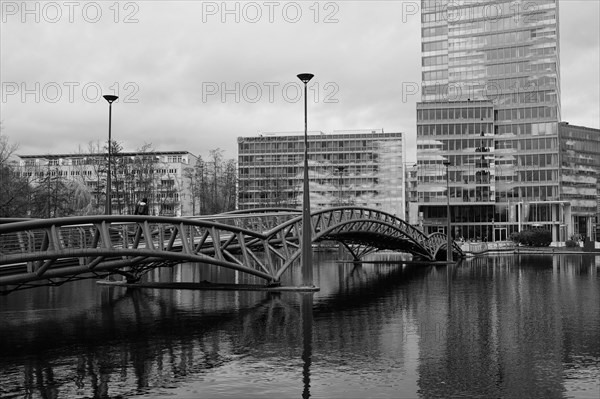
[110,98]
[305,77]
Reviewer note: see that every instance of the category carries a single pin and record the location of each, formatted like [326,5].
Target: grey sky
[170,61]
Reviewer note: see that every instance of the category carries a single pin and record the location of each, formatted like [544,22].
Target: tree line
[207,186]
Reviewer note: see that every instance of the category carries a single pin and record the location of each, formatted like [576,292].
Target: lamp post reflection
[306,306]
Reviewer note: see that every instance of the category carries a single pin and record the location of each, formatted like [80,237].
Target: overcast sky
[190,77]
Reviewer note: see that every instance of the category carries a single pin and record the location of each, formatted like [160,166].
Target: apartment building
[160,176]
[358,167]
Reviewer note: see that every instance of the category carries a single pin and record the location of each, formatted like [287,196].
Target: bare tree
[14,186]
[6,148]
[96,180]
[52,193]
[228,185]
[118,175]
[133,176]
[213,184]
[220,182]
[193,176]
[217,159]
[144,170]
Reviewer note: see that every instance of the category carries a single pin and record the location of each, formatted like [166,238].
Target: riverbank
[482,248]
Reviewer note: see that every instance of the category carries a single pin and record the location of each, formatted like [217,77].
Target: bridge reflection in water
[491,327]
[264,243]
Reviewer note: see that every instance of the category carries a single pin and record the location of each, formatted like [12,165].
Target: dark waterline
[496,327]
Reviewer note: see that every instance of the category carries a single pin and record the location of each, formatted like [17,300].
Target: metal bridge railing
[262,242]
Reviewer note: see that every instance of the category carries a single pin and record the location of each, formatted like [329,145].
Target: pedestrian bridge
[261,242]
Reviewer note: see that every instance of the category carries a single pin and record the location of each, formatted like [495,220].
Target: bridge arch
[364,230]
[65,247]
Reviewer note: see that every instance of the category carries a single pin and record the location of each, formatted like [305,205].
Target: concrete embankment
[483,248]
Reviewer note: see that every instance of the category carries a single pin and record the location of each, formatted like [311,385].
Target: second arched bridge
[263,243]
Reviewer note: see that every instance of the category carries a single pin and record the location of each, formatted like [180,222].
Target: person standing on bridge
[141,208]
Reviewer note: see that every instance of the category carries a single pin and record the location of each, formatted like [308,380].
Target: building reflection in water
[509,327]
[523,326]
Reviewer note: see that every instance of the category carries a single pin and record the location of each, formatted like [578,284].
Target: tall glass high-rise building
[498,56]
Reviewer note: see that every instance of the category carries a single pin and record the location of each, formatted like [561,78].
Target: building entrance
[500,234]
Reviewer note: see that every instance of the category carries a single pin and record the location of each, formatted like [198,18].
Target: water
[497,327]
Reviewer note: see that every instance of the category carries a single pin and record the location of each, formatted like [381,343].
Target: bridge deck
[263,243]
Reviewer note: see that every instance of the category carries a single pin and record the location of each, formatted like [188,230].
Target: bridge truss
[263,242]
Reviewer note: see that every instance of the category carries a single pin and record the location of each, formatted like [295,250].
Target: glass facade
[503,58]
[461,132]
[580,177]
[345,168]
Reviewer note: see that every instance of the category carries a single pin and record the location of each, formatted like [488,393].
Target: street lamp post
[108,208]
[307,274]
[449,226]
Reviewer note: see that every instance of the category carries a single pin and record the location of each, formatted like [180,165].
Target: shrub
[514,237]
[571,243]
[533,237]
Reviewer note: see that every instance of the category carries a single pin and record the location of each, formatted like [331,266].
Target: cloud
[580,61]
[162,58]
